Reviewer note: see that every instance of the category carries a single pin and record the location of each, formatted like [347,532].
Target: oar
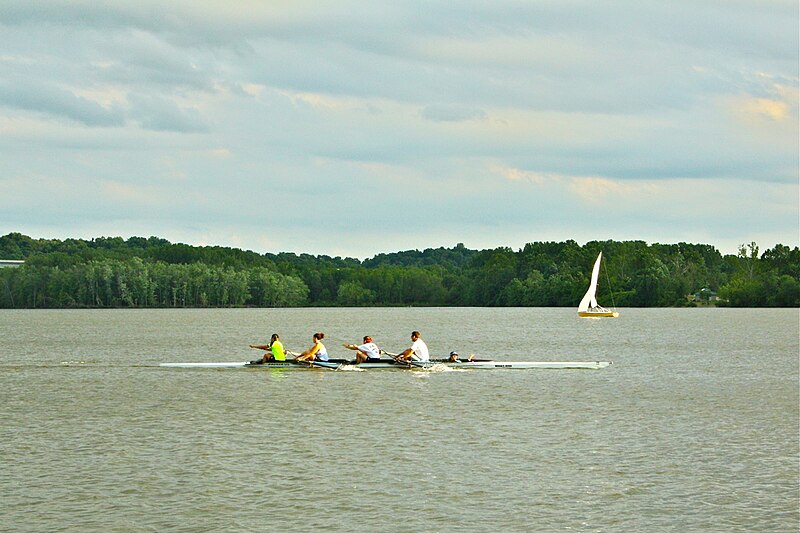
[321,364]
[407,362]
[317,364]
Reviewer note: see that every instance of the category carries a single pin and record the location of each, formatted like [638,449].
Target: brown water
[694,427]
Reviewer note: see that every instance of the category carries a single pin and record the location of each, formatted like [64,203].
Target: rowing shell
[335,363]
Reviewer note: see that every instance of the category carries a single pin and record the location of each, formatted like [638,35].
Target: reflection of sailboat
[588,306]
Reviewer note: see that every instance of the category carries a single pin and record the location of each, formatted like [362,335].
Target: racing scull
[389,364]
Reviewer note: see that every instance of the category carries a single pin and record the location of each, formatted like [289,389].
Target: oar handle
[396,357]
[407,362]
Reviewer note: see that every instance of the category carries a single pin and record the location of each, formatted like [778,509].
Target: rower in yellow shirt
[274,350]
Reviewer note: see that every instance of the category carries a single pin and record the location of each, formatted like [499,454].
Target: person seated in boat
[274,350]
[368,352]
[317,352]
[455,358]
[418,350]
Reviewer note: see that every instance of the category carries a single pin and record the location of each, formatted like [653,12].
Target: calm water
[693,428]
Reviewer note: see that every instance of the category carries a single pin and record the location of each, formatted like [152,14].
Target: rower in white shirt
[367,352]
[418,350]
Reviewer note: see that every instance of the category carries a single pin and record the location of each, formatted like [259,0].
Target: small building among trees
[704,296]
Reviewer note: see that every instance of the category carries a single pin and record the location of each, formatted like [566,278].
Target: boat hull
[392,365]
[598,314]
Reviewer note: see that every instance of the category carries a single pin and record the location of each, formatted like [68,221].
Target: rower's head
[274,337]
[367,339]
[453,356]
[319,336]
[415,335]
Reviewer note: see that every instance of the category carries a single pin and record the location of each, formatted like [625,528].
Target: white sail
[589,299]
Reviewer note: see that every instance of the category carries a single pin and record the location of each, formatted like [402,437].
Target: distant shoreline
[111,272]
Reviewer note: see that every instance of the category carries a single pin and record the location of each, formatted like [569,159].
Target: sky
[353,128]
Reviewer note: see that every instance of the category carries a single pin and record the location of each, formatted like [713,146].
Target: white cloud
[452,113]
[487,125]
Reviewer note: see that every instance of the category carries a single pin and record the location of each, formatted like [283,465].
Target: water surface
[694,426]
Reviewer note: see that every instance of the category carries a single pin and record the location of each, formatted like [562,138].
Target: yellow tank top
[277,351]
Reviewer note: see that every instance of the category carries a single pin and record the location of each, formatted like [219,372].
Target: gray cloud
[57,102]
[162,114]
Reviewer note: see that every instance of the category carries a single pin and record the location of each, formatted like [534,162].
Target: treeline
[152,272]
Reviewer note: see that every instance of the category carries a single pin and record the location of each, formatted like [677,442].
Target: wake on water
[438,367]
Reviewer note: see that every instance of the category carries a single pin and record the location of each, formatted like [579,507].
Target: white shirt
[371,350]
[420,350]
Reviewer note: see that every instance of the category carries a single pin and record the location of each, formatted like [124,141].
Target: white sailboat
[589,306]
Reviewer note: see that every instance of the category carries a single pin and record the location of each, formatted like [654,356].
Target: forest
[111,272]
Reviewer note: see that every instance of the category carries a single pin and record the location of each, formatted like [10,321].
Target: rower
[418,350]
[317,352]
[274,351]
[367,352]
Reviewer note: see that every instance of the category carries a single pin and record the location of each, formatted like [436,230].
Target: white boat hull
[391,365]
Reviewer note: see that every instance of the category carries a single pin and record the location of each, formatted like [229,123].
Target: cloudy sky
[358,127]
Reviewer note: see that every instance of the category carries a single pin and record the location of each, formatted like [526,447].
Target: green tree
[352,293]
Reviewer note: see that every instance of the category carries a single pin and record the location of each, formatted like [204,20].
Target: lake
[693,428]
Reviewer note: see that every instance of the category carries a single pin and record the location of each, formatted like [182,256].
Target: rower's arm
[313,350]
